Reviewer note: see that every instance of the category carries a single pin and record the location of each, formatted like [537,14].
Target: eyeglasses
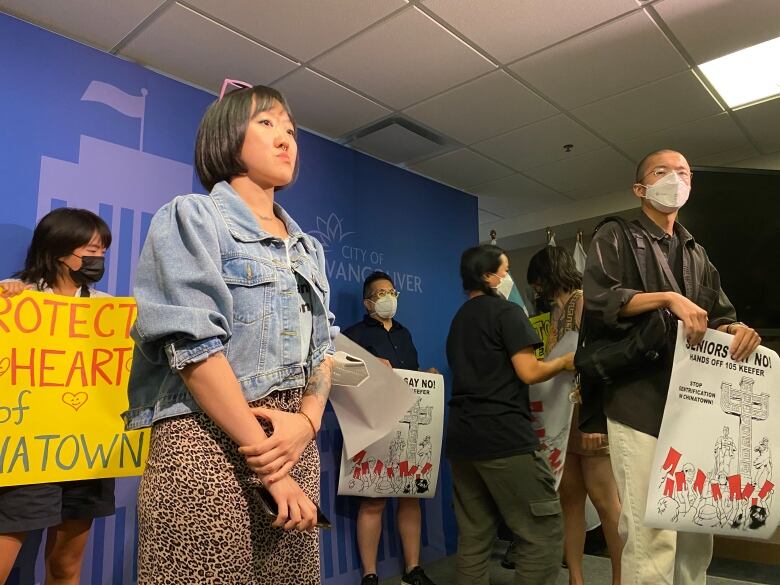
[380,294]
[235,83]
[663,171]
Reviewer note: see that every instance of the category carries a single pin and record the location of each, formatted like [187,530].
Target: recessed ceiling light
[747,76]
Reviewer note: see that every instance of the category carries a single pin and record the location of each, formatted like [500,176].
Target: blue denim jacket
[210,280]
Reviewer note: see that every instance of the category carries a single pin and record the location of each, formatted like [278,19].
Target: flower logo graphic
[330,231]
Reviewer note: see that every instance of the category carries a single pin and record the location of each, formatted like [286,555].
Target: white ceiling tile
[487,217]
[193,48]
[694,140]
[300,28]
[510,29]
[461,169]
[728,158]
[516,194]
[618,56]
[595,173]
[405,59]
[482,108]
[709,29]
[762,121]
[650,108]
[326,107]
[396,144]
[539,143]
[96,22]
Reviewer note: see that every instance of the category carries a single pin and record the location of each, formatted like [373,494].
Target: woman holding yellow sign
[65,257]
[233,324]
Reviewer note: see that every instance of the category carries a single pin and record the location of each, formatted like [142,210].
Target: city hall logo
[344,260]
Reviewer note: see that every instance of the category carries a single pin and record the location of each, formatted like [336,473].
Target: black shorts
[30,507]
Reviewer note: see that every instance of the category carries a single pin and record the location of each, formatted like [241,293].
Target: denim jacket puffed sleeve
[182,298]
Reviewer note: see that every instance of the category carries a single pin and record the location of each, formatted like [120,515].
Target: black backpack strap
[636,243]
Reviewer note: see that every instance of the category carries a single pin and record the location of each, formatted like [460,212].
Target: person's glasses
[659,172]
[380,294]
[234,83]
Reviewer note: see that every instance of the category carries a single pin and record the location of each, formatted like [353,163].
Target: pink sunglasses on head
[234,83]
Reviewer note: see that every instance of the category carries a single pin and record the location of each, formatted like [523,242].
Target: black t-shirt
[490,416]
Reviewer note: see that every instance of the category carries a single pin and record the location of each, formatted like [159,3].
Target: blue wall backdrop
[81,128]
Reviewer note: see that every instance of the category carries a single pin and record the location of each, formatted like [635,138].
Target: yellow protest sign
[64,365]
[541,323]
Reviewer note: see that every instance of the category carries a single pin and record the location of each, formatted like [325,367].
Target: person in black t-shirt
[498,473]
[392,343]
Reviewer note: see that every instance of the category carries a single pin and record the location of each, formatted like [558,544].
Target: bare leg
[409,521]
[65,550]
[10,544]
[369,530]
[603,492]
[572,494]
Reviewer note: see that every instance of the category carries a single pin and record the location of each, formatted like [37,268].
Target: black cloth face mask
[92,269]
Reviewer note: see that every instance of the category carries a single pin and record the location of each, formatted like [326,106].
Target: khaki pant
[650,556]
[521,491]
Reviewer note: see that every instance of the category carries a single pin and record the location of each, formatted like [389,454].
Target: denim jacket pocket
[252,283]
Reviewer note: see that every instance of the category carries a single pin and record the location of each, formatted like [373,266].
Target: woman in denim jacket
[233,325]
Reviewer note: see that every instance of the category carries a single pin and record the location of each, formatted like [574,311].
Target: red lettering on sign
[18,317]
[43,368]
[16,366]
[98,314]
[77,365]
[55,305]
[130,307]
[97,365]
[74,308]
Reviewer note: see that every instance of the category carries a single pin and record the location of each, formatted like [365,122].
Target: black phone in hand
[271,509]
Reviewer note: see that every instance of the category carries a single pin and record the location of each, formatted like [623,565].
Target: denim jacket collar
[240,220]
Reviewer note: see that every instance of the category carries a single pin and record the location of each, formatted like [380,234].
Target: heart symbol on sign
[76,400]
[5,363]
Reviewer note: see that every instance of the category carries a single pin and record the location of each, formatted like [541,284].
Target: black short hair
[475,263]
[641,169]
[372,278]
[554,270]
[222,131]
[57,234]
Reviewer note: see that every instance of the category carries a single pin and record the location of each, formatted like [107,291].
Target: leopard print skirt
[199,513]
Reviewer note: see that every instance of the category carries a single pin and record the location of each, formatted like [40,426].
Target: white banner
[713,462]
[405,462]
[368,400]
[552,407]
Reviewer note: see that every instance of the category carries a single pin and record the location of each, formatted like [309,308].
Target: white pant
[650,556]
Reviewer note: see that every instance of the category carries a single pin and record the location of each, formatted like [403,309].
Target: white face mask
[668,194]
[505,286]
[504,283]
[385,307]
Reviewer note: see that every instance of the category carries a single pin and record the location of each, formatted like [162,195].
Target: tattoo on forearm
[320,381]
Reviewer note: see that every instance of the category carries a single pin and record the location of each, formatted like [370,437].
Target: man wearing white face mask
[634,404]
[391,342]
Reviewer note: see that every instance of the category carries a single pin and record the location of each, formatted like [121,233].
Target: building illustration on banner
[732,495]
[404,463]
[408,464]
[108,175]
